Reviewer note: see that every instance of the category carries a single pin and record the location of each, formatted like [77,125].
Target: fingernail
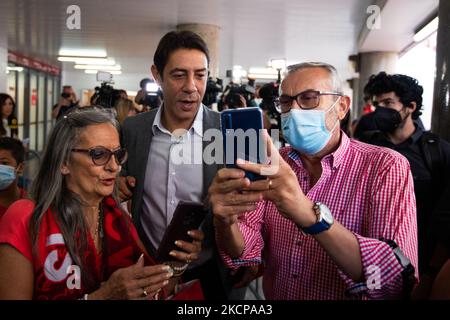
[166,268]
[189,233]
[165,282]
[177,243]
[239,161]
[172,253]
[169,275]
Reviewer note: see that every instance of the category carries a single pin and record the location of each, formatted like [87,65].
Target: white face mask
[7,176]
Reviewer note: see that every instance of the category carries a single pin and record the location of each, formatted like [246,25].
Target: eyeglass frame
[111,153]
[320,93]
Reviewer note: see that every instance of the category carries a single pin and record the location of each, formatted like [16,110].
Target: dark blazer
[136,137]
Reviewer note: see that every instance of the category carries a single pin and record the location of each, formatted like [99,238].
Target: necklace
[99,228]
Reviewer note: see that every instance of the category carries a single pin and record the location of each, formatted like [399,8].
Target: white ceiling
[252,31]
[396,29]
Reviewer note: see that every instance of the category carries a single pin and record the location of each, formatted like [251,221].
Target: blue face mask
[305,130]
[7,176]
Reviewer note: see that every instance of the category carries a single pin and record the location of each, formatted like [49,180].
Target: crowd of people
[339,214]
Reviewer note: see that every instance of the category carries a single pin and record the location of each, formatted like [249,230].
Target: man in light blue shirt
[154,176]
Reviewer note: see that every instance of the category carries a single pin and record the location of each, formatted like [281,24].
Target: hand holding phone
[188,216]
[242,131]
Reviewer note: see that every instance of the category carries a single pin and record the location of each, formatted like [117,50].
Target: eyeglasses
[101,155]
[308,99]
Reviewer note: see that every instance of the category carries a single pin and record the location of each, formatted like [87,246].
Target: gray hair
[334,76]
[50,190]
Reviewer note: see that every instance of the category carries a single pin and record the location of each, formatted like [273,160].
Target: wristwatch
[324,219]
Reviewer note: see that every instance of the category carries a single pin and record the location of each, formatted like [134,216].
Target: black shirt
[428,192]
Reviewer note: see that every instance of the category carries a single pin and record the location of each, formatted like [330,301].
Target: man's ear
[413,106]
[344,107]
[156,75]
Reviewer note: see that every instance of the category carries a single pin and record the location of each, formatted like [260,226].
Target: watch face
[326,214]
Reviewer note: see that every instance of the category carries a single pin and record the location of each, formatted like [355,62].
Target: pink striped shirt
[370,191]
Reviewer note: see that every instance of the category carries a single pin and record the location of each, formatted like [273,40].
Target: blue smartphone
[242,131]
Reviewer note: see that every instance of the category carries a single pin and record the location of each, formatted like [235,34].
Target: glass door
[42,105]
[33,100]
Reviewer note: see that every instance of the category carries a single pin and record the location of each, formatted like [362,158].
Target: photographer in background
[238,96]
[67,102]
[106,96]
[213,88]
[149,96]
[269,94]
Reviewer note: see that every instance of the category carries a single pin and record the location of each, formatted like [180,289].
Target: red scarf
[120,249]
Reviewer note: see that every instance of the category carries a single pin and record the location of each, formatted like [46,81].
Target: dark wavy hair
[175,40]
[406,88]
[3,98]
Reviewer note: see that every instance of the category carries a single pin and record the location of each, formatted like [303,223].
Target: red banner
[32,63]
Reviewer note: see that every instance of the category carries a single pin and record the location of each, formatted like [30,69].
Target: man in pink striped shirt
[335,218]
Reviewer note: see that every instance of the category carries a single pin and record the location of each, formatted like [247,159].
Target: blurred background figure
[124,108]
[149,96]
[12,160]
[8,125]
[67,102]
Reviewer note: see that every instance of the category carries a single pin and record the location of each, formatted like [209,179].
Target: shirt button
[173,173]
[172,202]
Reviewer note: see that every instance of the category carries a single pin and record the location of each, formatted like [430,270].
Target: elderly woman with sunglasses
[73,241]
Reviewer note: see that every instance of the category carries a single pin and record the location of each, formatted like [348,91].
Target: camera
[105,96]
[65,95]
[269,93]
[152,94]
[212,90]
[234,92]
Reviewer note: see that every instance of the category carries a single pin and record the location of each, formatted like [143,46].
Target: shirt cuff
[251,255]
[381,269]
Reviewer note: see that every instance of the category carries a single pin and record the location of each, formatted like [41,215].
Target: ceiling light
[92,53]
[263,76]
[95,71]
[427,30]
[238,72]
[116,67]
[83,60]
[263,73]
[18,69]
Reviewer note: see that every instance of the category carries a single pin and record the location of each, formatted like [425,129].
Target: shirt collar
[336,157]
[197,125]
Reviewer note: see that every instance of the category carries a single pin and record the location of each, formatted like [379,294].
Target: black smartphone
[187,216]
[242,131]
